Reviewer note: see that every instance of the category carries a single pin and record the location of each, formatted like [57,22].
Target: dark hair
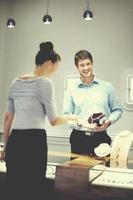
[46,53]
[81,55]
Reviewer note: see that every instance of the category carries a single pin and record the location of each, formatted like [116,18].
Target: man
[89,97]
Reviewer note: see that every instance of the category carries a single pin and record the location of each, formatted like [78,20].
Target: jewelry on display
[121,145]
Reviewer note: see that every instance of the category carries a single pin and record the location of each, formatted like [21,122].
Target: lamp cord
[47,6]
[87,4]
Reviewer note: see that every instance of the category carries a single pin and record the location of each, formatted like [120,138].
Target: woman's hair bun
[46,46]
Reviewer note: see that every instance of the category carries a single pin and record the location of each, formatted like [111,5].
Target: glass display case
[112,180]
[111,177]
[53,162]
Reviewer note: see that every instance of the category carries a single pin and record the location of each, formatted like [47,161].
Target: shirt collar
[79,83]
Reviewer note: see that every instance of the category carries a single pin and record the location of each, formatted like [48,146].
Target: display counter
[77,177]
[91,178]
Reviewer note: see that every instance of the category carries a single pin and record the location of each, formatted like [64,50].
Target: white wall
[2,51]
[108,37]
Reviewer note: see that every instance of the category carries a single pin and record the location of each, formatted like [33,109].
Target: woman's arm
[7,125]
[8,119]
[63,119]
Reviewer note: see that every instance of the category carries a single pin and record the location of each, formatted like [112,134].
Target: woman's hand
[85,124]
[72,117]
[2,154]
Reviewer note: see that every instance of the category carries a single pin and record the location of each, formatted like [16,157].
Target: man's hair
[81,55]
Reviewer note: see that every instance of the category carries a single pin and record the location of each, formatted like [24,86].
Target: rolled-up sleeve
[68,105]
[115,106]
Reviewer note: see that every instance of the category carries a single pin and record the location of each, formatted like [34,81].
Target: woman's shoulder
[14,81]
[44,80]
[44,84]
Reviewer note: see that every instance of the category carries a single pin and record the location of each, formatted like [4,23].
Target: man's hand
[103,127]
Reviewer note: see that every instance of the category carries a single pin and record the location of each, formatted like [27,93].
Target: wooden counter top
[76,159]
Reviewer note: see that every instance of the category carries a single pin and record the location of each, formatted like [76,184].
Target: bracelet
[79,124]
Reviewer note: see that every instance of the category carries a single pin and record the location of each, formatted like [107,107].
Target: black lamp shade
[47,19]
[87,15]
[11,23]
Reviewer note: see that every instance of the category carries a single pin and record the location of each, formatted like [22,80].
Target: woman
[31,99]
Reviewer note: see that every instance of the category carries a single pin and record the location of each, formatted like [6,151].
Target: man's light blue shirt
[85,99]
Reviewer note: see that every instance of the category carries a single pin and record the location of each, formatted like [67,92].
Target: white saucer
[103,150]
